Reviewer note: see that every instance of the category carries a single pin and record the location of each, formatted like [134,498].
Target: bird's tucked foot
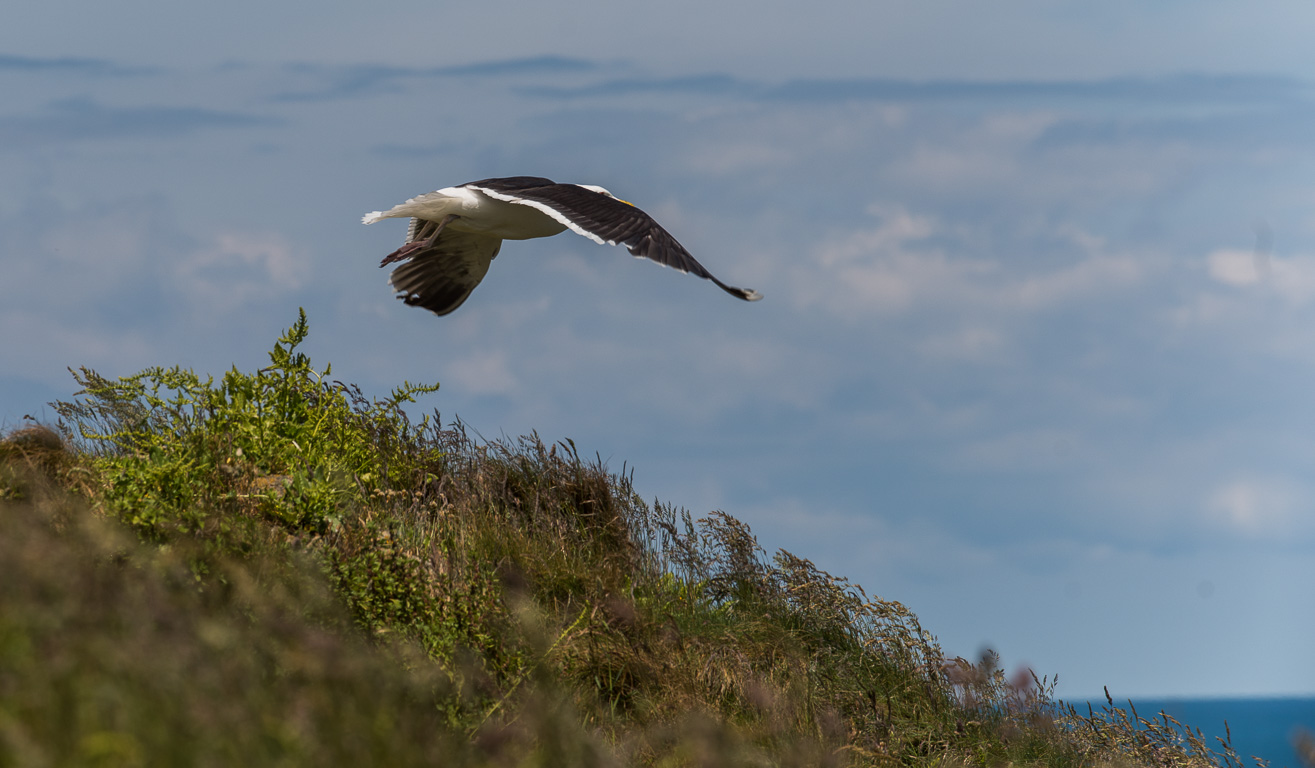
[417,245]
[405,252]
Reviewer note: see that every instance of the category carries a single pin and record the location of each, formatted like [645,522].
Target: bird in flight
[456,231]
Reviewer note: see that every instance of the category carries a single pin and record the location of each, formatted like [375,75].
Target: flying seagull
[456,231]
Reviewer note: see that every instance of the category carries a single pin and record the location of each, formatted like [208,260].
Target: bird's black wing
[512,184]
[441,277]
[605,219]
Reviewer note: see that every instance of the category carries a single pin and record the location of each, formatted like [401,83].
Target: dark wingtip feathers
[740,293]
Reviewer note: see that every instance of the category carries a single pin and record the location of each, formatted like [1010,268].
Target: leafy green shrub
[173,446]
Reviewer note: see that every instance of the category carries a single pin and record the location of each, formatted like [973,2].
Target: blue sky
[1037,351]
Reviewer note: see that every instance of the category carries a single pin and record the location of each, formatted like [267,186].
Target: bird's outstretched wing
[603,219]
[441,277]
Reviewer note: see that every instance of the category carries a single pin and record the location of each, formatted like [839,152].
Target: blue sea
[1262,728]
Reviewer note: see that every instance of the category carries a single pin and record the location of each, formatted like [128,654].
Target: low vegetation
[273,569]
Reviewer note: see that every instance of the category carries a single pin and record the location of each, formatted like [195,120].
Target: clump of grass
[1125,736]
[112,653]
[359,577]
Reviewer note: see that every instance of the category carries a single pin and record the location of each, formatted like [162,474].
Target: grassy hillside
[272,569]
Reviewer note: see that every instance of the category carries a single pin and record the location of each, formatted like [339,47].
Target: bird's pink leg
[413,247]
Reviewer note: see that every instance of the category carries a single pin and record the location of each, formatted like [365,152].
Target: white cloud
[1292,278]
[1233,267]
[239,269]
[909,262]
[1092,276]
[884,269]
[898,227]
[979,156]
[1259,508]
[1252,304]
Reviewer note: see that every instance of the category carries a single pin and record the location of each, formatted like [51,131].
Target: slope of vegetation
[272,569]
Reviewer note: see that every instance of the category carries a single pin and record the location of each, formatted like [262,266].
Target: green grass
[272,569]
